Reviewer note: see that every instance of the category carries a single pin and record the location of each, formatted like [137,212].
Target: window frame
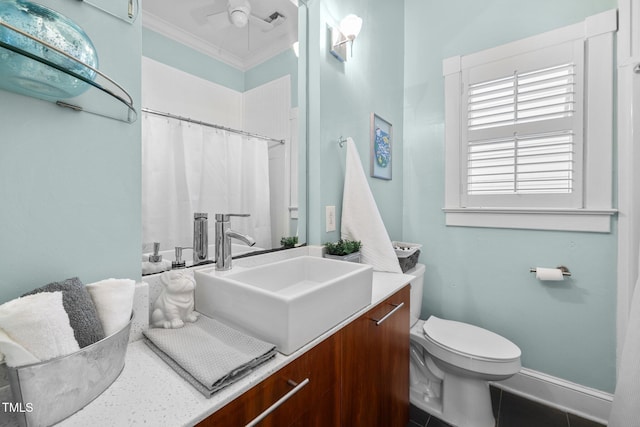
[594,210]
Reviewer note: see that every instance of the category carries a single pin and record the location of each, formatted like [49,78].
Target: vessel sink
[287,303]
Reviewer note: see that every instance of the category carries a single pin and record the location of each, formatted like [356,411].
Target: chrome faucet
[200,238]
[223,240]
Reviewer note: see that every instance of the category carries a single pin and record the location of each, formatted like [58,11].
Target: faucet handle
[225,217]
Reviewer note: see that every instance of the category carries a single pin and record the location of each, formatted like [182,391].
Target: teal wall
[480,275]
[168,51]
[69,181]
[341,98]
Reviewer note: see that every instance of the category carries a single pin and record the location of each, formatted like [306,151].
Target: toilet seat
[470,348]
[469,340]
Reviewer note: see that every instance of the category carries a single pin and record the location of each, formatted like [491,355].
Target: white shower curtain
[625,410]
[188,168]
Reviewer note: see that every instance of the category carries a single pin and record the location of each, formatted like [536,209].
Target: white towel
[14,354]
[40,324]
[361,219]
[155,267]
[625,411]
[114,301]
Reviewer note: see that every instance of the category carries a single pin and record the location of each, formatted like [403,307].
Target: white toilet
[452,362]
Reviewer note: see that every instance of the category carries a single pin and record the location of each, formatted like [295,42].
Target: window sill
[588,220]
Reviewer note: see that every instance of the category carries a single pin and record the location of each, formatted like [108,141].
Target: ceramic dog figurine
[175,304]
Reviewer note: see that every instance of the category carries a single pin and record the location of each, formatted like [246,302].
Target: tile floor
[511,411]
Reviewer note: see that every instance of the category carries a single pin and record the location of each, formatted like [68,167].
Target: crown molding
[167,29]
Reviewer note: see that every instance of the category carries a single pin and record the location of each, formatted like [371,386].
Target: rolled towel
[40,324]
[82,312]
[114,301]
[14,354]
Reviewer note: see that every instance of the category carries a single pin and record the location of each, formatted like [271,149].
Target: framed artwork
[381,141]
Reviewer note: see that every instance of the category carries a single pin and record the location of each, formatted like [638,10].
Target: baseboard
[570,397]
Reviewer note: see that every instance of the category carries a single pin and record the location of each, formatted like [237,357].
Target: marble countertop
[149,392]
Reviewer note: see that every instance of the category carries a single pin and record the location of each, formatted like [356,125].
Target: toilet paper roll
[549,273]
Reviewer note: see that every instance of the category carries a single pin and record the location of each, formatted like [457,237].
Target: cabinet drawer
[264,395]
[320,366]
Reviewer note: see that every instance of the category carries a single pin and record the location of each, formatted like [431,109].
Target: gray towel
[209,354]
[80,308]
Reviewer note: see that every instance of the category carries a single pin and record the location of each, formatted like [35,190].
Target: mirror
[220,122]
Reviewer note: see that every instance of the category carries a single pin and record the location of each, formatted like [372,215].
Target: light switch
[330,216]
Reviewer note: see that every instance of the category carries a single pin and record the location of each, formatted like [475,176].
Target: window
[528,129]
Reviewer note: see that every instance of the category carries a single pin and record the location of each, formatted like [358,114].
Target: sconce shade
[342,38]
[296,48]
[350,26]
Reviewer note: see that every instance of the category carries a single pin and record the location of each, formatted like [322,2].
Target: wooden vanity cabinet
[375,360]
[358,376]
[316,403]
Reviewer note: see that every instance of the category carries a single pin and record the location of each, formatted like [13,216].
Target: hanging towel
[625,411]
[40,324]
[361,219]
[208,354]
[114,301]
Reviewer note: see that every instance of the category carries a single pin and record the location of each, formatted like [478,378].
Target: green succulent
[343,247]
[289,242]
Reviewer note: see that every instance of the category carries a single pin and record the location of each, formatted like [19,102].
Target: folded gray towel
[80,308]
[209,354]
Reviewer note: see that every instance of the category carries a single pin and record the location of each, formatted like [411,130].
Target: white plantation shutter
[522,136]
[534,164]
[529,131]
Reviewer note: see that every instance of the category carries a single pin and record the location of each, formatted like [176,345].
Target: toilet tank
[416,292]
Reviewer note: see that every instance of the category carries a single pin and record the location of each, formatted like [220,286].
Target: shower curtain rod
[187,119]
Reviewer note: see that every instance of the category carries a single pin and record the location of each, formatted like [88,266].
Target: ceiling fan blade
[219,21]
[260,24]
[200,14]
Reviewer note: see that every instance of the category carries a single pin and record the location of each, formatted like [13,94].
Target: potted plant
[289,242]
[345,250]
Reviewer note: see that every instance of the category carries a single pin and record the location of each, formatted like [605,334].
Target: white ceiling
[204,26]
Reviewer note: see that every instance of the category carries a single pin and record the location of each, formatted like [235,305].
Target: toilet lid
[470,340]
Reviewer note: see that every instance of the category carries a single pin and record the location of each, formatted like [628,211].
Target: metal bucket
[53,390]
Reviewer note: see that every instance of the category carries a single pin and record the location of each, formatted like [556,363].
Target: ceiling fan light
[239,18]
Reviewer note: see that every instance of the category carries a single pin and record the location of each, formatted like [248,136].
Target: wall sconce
[350,27]
[296,48]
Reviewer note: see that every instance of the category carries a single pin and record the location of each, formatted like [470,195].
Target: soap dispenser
[179,262]
[156,257]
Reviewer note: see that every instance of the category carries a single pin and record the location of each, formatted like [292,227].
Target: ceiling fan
[239,15]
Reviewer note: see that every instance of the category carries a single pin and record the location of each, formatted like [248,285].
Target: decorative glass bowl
[21,74]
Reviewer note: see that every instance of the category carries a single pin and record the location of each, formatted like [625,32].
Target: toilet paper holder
[565,270]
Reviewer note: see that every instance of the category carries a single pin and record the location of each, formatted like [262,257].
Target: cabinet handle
[397,307]
[280,401]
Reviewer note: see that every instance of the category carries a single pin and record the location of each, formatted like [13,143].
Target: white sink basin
[287,303]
